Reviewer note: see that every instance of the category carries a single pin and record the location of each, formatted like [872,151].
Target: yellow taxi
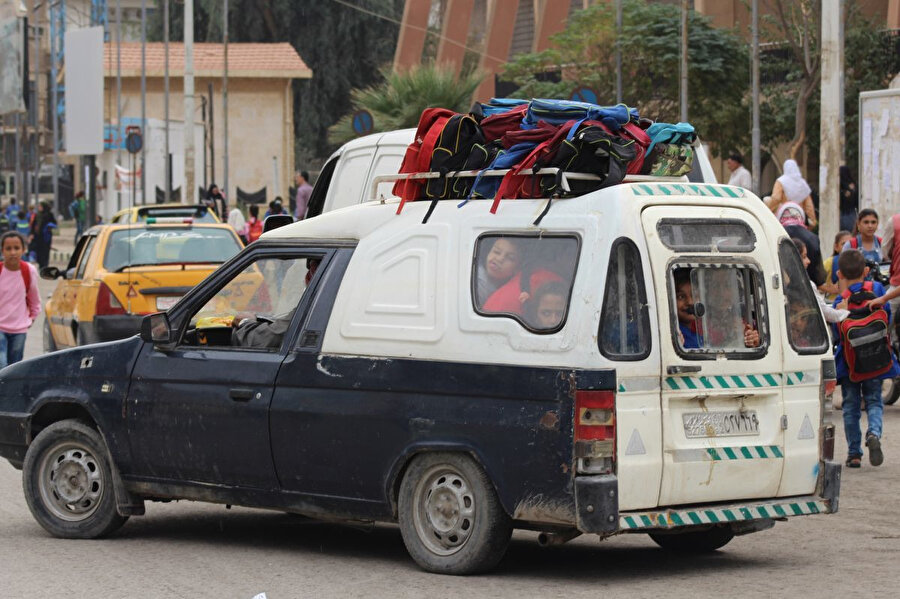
[138,214]
[119,273]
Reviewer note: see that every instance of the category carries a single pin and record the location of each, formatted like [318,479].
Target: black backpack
[589,150]
[451,153]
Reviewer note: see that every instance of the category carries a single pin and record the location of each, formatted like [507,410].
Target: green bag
[669,160]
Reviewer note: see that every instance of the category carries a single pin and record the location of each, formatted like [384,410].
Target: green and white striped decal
[695,516]
[744,381]
[727,454]
[687,189]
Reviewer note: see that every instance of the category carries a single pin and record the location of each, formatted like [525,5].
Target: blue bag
[487,187]
[557,112]
[679,134]
[500,105]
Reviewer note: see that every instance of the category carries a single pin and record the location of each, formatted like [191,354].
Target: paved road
[192,550]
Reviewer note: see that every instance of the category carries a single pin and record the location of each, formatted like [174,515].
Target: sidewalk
[63,243]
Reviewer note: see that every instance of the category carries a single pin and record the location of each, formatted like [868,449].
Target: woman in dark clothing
[849,202]
[215,200]
[42,234]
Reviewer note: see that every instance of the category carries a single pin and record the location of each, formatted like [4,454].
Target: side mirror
[277,220]
[69,274]
[155,329]
[51,273]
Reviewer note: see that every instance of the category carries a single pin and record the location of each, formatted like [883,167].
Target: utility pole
[36,103]
[225,99]
[118,139]
[756,166]
[212,136]
[187,196]
[830,127]
[144,101]
[54,95]
[618,52]
[168,162]
[684,61]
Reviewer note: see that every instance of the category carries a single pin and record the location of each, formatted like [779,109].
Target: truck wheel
[49,343]
[890,391]
[697,541]
[450,517]
[68,482]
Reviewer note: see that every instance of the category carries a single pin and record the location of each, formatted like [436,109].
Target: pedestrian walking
[849,202]
[304,189]
[78,208]
[20,301]
[792,187]
[215,201]
[237,222]
[740,176]
[42,234]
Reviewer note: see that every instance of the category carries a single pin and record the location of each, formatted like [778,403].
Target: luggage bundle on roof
[511,148]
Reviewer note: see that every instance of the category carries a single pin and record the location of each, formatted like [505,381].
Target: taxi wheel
[450,517]
[68,482]
[890,391]
[699,541]
[49,343]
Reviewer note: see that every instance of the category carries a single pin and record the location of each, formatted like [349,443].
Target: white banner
[84,91]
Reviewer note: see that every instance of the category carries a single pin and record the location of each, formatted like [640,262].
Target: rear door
[721,382]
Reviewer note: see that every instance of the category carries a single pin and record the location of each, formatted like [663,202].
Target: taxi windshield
[159,245]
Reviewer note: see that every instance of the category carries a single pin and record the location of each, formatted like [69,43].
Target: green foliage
[345,48]
[399,100]
[584,55]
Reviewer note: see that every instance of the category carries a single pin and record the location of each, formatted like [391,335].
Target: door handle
[682,369]
[241,394]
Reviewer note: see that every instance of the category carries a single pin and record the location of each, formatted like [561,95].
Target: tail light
[107,304]
[829,383]
[595,431]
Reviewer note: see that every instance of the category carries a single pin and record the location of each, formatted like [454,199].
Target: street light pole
[168,163]
[684,61]
[756,166]
[144,101]
[187,195]
[225,100]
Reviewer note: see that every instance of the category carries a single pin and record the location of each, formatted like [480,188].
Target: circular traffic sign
[363,122]
[584,94]
[134,142]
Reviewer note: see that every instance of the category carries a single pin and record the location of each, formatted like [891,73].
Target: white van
[650,359]
[348,176]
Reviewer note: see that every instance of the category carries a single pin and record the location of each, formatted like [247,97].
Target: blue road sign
[362,122]
[584,94]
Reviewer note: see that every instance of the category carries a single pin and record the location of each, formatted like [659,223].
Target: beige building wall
[260,122]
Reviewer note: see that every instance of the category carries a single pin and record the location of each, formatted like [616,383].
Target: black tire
[49,342]
[68,482]
[694,541]
[450,517]
[890,391]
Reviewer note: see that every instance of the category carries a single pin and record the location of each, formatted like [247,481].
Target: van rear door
[721,389]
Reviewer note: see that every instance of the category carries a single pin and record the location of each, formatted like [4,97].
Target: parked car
[461,377]
[197,213]
[118,273]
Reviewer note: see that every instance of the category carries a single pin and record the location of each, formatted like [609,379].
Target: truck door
[721,380]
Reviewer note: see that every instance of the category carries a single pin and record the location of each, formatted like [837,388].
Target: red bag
[632,130]
[495,126]
[864,337]
[418,154]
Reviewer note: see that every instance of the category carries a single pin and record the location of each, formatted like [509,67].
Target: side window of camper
[806,329]
[718,309]
[625,321]
[526,278]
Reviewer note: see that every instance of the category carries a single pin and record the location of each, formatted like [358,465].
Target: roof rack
[566,176]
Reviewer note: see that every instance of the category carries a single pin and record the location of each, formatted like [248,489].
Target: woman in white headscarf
[792,187]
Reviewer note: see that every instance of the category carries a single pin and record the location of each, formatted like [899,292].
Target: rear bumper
[597,507]
[14,437]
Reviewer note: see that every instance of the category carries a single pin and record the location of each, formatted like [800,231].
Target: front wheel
[450,517]
[699,541]
[68,482]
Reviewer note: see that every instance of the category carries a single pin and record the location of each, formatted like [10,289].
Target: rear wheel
[450,517]
[890,391]
[68,482]
[698,541]
[49,342]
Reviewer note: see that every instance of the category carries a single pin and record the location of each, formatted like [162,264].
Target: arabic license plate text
[164,303]
[720,424]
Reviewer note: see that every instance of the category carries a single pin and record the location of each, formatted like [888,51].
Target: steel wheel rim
[70,482]
[444,510]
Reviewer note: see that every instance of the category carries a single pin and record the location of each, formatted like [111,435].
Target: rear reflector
[828,442]
[595,424]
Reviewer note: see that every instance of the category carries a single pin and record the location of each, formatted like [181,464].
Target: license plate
[720,424]
[164,303]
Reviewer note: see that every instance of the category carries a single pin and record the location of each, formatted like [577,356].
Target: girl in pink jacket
[20,302]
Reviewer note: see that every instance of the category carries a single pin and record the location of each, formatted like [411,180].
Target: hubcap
[71,482]
[445,510]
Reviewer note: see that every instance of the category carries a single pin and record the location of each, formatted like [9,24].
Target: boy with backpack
[863,356]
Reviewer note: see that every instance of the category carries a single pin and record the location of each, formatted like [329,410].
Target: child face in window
[550,310]
[503,260]
[684,302]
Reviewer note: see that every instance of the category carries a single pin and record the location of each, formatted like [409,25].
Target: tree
[399,100]
[345,44]
[584,55]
